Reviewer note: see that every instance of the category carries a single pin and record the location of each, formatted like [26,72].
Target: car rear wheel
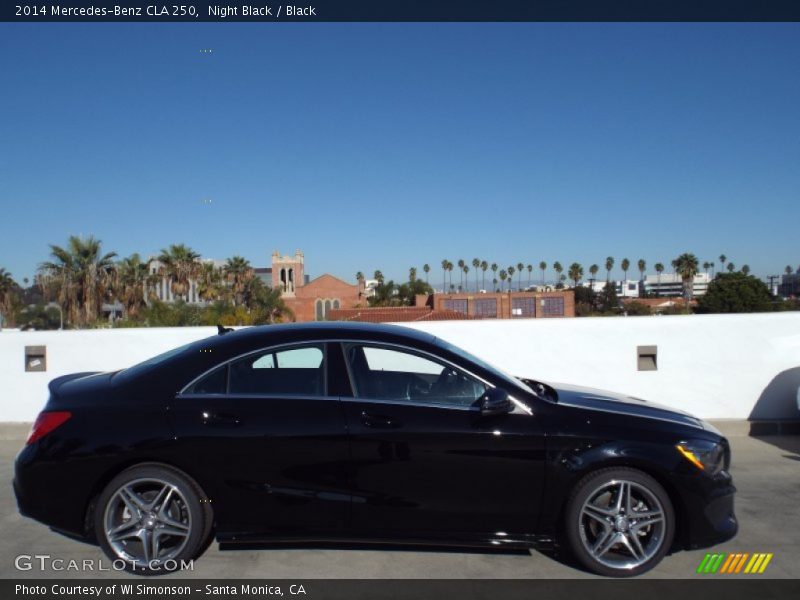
[151,519]
[619,522]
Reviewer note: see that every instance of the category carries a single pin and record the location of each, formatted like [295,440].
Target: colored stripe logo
[735,562]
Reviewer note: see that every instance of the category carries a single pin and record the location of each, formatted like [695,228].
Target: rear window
[148,364]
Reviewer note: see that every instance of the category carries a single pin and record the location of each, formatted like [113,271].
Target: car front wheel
[151,519]
[619,522]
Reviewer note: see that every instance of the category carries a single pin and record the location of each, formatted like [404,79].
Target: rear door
[425,462]
[268,442]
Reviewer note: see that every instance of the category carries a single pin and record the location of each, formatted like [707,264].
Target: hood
[592,399]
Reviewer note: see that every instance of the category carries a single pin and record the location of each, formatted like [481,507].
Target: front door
[425,462]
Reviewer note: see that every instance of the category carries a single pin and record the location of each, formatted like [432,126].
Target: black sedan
[330,431]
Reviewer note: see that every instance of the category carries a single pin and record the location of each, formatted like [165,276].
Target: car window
[215,382]
[291,371]
[381,373]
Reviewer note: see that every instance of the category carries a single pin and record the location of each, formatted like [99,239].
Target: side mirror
[495,402]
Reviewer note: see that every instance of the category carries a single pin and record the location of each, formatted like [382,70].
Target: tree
[642,265]
[625,264]
[359,276]
[503,276]
[520,268]
[609,266]
[378,276]
[575,273]
[686,267]
[238,274]
[659,270]
[735,293]
[81,276]
[476,264]
[179,264]
[607,299]
[412,274]
[209,284]
[722,259]
[465,268]
[731,267]
[593,271]
[746,269]
[461,264]
[706,266]
[511,270]
[494,273]
[427,268]
[558,269]
[445,262]
[530,270]
[543,268]
[484,266]
[130,284]
[494,283]
[788,270]
[450,270]
[8,296]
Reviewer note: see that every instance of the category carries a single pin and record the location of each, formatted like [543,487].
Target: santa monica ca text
[142,589]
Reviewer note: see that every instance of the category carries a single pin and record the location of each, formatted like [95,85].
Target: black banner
[139,588]
[402,10]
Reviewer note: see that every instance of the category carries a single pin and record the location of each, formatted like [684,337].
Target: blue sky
[390,145]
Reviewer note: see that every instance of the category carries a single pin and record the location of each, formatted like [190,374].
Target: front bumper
[708,509]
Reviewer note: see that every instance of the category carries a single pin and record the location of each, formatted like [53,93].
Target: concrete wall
[715,366]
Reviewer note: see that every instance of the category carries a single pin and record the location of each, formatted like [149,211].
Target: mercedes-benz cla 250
[324,432]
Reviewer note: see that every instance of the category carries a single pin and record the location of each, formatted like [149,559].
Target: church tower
[287,272]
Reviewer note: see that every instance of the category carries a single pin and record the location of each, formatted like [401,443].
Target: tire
[154,504]
[619,522]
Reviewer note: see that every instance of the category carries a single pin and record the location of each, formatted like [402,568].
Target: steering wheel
[416,387]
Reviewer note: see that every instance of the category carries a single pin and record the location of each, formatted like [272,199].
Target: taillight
[46,422]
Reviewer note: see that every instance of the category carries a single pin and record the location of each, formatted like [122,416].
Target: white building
[628,288]
[671,284]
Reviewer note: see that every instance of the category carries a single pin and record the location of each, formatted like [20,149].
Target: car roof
[332,329]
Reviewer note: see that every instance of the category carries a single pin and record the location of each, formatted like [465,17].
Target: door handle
[380,421]
[220,419]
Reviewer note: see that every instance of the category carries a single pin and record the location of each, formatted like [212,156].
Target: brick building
[508,305]
[311,300]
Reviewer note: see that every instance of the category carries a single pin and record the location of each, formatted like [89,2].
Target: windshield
[510,379]
[151,362]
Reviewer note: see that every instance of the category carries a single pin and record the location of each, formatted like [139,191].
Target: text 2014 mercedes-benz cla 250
[331,431]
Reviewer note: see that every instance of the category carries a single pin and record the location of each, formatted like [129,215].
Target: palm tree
[444,274]
[461,264]
[543,267]
[8,289]
[511,270]
[722,259]
[82,276]
[642,266]
[427,268]
[484,266]
[558,269]
[209,283]
[494,283]
[476,264]
[238,273]
[359,276]
[530,270]
[686,266]
[494,272]
[746,269]
[378,276]
[731,267]
[659,269]
[412,274]
[179,264]
[609,266]
[465,268]
[450,267]
[503,276]
[625,264]
[706,266]
[520,268]
[593,272]
[130,284]
[575,273]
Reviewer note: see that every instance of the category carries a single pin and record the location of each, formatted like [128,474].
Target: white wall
[715,366]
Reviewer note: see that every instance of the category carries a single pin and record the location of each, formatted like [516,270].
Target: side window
[292,371]
[388,374]
[215,382]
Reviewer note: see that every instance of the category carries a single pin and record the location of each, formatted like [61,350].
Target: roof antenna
[223,330]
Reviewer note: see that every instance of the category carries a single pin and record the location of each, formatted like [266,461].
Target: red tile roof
[394,314]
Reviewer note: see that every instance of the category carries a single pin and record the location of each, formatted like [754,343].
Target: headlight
[706,456]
